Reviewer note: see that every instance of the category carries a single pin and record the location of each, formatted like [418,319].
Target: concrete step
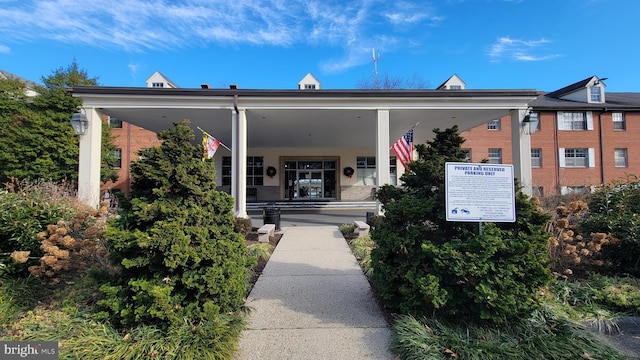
[313,205]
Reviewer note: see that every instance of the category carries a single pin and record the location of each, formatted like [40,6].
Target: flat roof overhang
[305,118]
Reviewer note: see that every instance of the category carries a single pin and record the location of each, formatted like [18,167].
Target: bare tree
[386,81]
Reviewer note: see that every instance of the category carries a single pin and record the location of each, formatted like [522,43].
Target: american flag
[404,148]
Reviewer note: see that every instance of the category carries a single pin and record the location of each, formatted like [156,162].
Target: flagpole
[207,134]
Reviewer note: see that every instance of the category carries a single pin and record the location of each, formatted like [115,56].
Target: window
[566,190]
[226,170]
[157,84]
[534,118]
[118,155]
[536,158]
[467,156]
[455,87]
[115,123]
[620,156]
[393,171]
[575,120]
[309,86]
[494,124]
[575,157]
[495,156]
[255,171]
[618,121]
[537,191]
[596,94]
[366,172]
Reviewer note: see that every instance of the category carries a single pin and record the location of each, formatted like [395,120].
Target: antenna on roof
[375,67]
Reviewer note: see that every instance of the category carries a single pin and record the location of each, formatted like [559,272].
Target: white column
[382,150]
[521,150]
[89,160]
[239,163]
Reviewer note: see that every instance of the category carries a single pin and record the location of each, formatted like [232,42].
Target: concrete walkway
[313,302]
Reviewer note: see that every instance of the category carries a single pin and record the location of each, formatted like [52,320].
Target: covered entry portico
[308,137]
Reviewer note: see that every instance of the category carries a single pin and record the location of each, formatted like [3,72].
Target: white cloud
[4,49]
[520,50]
[147,25]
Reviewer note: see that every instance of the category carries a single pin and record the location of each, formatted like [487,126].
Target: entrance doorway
[310,179]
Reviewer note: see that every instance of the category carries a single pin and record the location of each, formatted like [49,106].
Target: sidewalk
[313,302]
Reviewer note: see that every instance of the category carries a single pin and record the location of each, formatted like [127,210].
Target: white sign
[480,192]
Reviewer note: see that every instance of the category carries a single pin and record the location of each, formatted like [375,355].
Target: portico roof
[304,118]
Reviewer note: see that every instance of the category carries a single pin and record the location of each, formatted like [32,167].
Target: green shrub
[615,209]
[423,264]
[179,255]
[347,228]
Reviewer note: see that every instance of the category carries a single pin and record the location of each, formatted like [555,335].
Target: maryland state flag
[210,144]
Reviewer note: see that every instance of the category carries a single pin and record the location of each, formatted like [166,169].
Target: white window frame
[115,123]
[621,157]
[537,163]
[575,120]
[580,189]
[595,94]
[118,155]
[619,122]
[494,158]
[366,170]
[495,124]
[573,162]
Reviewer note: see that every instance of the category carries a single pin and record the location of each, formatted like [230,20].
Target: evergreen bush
[179,256]
[425,265]
[615,209]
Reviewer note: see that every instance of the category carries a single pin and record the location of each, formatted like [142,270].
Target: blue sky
[262,44]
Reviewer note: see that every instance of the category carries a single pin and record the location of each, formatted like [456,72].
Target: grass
[65,316]
[545,335]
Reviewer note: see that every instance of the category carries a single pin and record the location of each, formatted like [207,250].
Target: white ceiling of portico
[308,119]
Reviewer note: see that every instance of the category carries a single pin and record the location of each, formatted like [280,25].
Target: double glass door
[310,179]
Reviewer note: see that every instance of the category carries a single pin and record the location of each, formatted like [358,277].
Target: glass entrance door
[309,184]
[310,179]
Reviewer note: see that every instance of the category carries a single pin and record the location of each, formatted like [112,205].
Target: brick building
[580,137]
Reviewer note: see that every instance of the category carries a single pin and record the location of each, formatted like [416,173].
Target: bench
[265,232]
[253,193]
[362,228]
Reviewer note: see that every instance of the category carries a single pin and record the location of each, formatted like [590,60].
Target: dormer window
[309,86]
[596,94]
[157,85]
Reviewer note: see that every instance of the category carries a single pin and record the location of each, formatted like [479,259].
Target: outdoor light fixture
[80,123]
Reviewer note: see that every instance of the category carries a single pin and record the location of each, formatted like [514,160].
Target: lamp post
[80,123]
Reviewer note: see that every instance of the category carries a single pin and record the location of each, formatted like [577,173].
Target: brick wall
[130,138]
